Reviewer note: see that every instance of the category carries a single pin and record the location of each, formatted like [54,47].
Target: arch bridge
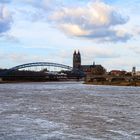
[40,64]
[72,72]
[36,64]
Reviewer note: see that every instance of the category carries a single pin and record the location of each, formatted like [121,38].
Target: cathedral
[87,69]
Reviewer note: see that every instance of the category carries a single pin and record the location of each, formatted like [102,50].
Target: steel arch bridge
[27,65]
[75,72]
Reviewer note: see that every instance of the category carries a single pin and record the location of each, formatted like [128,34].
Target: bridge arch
[40,64]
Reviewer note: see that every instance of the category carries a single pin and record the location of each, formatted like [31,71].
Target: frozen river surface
[69,111]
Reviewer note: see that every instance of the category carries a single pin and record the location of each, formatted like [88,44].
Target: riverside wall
[112,80]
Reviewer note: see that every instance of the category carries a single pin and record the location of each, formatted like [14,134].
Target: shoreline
[137,84]
[12,82]
[134,84]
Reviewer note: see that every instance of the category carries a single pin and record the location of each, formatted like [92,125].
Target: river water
[69,111]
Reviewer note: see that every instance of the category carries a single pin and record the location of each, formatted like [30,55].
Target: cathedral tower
[76,60]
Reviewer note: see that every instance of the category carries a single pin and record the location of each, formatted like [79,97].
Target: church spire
[75,52]
[78,52]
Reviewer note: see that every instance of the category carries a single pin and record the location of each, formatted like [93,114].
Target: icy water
[69,111]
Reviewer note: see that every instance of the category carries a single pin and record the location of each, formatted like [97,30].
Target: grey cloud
[117,18]
[4,27]
[107,35]
[38,10]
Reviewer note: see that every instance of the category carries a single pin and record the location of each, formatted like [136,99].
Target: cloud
[96,20]
[5,19]
[122,63]
[134,49]
[5,1]
[34,10]
[13,58]
[24,57]
[98,52]
[9,38]
[40,4]
[73,29]
[136,30]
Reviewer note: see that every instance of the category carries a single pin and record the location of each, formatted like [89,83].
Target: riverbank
[114,83]
[31,81]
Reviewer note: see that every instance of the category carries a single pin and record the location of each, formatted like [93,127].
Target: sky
[106,32]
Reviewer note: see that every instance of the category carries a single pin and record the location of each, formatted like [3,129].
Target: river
[69,111]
